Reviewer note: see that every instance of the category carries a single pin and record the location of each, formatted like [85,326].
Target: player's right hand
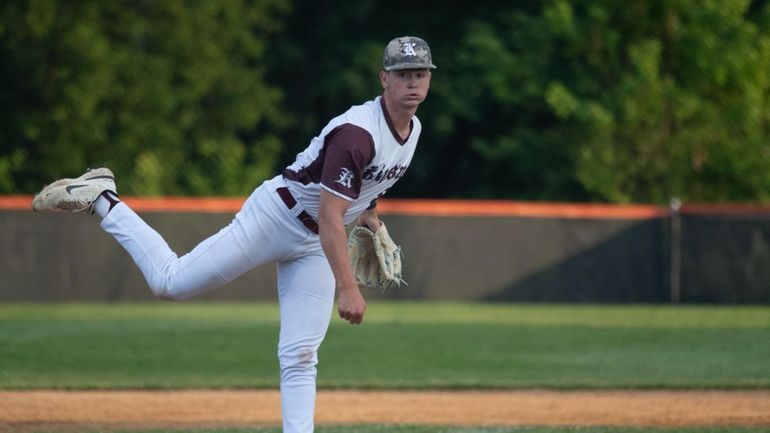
[351,305]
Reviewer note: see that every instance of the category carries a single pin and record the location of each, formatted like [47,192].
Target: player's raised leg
[248,241]
[212,263]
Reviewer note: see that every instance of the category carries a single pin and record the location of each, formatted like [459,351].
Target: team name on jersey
[379,173]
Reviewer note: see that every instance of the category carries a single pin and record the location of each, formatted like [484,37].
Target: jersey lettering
[382,173]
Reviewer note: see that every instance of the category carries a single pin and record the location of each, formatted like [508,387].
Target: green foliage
[416,345]
[686,110]
[615,101]
[166,93]
[590,100]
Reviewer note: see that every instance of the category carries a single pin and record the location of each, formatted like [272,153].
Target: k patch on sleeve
[348,149]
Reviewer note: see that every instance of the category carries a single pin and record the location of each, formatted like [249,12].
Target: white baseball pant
[263,231]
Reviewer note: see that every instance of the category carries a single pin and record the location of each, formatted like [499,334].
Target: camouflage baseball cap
[407,52]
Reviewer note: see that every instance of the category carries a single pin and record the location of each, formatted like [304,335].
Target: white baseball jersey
[357,157]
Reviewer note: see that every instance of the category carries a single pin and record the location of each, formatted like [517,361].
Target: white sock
[105,202]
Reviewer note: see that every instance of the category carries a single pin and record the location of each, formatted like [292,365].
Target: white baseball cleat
[75,195]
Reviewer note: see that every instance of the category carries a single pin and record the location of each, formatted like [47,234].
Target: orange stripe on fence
[185,204]
[518,209]
[149,204]
[429,207]
[16,202]
[499,208]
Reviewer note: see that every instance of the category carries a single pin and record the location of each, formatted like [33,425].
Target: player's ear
[384,78]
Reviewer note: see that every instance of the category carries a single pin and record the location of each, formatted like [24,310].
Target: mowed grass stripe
[401,345]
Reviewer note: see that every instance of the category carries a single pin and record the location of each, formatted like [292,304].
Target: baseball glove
[375,258]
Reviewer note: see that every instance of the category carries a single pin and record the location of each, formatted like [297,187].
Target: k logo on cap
[407,52]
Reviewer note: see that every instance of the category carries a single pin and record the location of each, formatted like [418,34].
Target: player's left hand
[374,258]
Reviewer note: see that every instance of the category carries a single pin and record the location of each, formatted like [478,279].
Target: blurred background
[581,101]
[570,100]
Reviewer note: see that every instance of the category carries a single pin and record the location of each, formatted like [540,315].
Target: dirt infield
[28,411]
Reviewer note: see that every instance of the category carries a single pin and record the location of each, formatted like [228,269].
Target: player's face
[407,87]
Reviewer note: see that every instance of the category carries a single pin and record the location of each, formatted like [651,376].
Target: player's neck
[400,117]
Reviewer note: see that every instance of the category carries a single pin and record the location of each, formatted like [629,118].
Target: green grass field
[401,345]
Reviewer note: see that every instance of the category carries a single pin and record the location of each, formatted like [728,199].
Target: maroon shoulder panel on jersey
[348,149]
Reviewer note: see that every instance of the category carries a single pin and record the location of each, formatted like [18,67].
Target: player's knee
[300,362]
[162,295]
[164,291]
[166,297]
[168,287]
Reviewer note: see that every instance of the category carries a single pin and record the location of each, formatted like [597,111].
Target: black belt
[303,216]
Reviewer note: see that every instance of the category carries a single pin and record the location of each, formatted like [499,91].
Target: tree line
[574,100]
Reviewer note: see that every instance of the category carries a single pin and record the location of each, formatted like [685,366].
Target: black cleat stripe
[71,187]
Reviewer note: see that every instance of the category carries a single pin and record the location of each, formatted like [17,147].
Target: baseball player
[296,219]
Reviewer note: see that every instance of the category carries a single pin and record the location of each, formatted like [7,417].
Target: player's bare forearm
[334,244]
[350,303]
